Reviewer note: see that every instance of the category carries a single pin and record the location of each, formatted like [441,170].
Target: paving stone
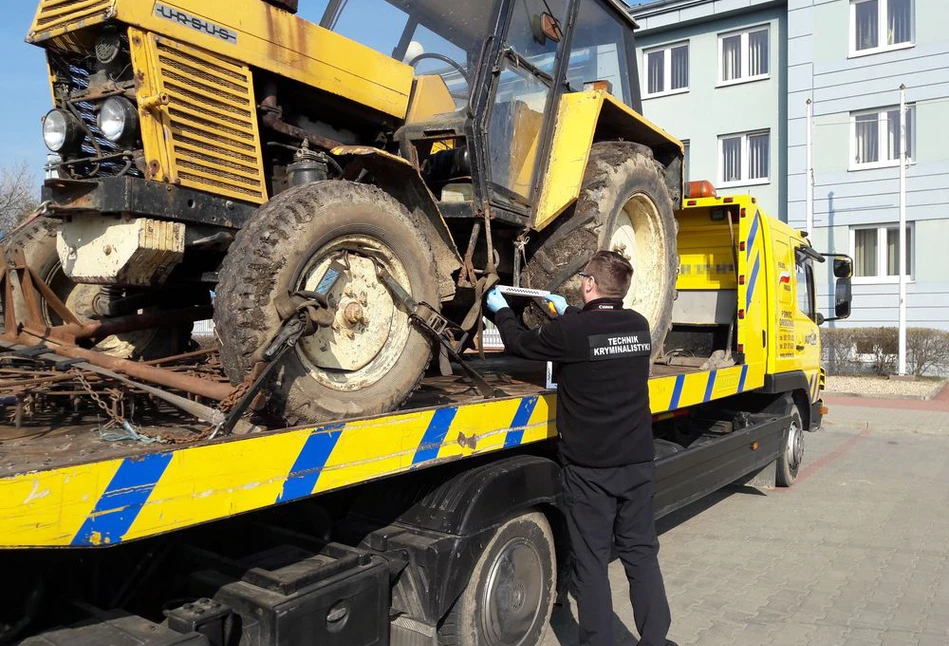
[852,555]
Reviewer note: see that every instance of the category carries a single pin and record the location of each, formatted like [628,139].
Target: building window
[743,56]
[876,252]
[667,70]
[875,136]
[744,158]
[878,25]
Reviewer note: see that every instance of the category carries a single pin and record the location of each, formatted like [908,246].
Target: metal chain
[117,419]
[235,395]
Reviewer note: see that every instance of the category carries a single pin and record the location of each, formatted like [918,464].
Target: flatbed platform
[63,485]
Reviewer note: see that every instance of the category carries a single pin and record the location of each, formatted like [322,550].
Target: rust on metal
[102,328]
[32,330]
[153,374]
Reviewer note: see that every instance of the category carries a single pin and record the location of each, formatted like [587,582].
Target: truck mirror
[843,267]
[820,319]
[842,297]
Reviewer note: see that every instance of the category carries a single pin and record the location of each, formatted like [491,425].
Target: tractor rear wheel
[37,240]
[373,356]
[624,206]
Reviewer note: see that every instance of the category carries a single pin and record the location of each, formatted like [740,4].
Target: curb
[836,393]
[928,397]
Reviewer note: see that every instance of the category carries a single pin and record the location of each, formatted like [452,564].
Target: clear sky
[25,89]
[24,86]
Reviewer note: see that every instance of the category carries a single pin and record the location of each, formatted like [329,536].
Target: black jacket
[602,351]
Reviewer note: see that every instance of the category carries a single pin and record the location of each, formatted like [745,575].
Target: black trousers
[615,505]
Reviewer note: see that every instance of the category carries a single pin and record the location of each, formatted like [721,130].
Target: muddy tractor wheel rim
[513,594]
[636,235]
[369,331]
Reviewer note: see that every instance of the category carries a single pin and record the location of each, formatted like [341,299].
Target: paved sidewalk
[855,554]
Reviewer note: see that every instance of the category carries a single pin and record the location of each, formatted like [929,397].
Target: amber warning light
[699,189]
[601,85]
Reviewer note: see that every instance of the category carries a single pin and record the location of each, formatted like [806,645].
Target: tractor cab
[487,85]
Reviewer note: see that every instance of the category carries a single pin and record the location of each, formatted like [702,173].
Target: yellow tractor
[367,167]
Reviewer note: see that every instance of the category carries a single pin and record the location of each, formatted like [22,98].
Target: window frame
[881,230]
[743,77]
[666,69]
[882,7]
[882,123]
[744,181]
[810,286]
[686,158]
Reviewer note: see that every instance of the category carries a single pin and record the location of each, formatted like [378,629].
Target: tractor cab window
[524,84]
[600,51]
[441,37]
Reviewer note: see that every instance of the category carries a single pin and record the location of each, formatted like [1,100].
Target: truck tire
[624,205]
[37,239]
[368,362]
[792,450]
[511,592]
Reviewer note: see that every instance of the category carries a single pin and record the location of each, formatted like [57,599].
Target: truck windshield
[422,33]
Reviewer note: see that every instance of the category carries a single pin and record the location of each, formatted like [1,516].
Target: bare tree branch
[18,194]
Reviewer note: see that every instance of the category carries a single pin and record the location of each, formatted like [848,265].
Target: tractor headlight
[118,119]
[61,131]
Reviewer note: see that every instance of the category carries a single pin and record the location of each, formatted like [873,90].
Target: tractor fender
[595,115]
[400,179]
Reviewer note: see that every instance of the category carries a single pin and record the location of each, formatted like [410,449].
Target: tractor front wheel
[372,356]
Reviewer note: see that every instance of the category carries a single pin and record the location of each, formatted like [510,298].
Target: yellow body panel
[430,96]
[528,127]
[579,116]
[706,256]
[573,136]
[258,35]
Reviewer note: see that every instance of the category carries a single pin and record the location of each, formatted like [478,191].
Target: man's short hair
[612,273]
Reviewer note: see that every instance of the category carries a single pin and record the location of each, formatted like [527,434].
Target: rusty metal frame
[32,330]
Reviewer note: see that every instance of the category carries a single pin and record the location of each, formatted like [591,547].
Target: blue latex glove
[495,300]
[558,301]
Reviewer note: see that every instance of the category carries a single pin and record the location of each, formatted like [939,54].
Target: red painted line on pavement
[833,456]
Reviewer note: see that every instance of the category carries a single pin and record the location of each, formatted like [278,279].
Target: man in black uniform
[605,428]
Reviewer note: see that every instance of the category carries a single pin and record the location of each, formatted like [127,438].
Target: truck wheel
[625,206]
[38,242]
[372,357]
[792,451]
[510,595]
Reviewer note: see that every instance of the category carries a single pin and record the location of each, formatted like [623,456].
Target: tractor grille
[53,14]
[212,120]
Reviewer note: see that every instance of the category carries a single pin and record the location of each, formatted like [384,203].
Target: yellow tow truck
[435,524]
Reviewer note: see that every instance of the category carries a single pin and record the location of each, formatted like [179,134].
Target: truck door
[797,345]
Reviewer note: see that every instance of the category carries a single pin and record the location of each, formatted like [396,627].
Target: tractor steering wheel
[444,59]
